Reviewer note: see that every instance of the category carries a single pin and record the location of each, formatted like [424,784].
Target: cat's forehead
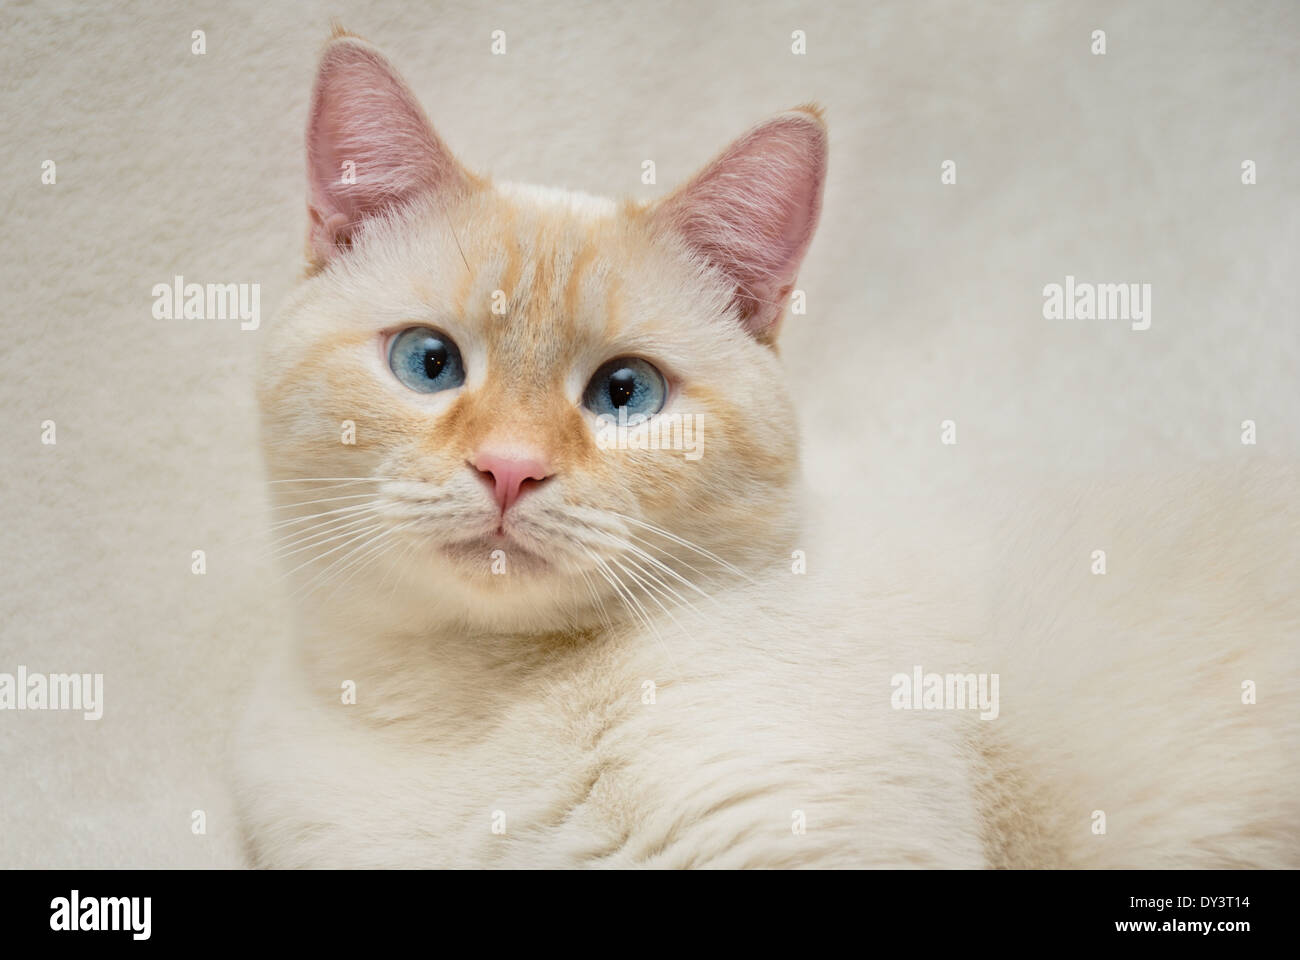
[557,200]
[545,267]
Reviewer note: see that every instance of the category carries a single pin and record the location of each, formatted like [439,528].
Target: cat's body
[516,646]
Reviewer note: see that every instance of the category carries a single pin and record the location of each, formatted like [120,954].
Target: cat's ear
[369,146]
[751,213]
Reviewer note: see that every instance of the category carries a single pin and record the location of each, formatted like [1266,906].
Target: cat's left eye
[426,360]
[628,383]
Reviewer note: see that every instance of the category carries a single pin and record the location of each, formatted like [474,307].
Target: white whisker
[357,536]
[354,508]
[338,480]
[343,563]
[306,503]
[347,527]
[730,568]
[651,596]
[633,605]
[382,544]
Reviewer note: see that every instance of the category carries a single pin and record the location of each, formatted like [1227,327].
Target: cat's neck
[435,674]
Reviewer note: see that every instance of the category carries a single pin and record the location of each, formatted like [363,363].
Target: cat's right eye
[426,360]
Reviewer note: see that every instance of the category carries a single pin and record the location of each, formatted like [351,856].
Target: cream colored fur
[508,720]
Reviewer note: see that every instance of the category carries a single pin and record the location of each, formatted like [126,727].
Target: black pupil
[622,384]
[435,358]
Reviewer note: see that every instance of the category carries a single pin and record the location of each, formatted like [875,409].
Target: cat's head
[512,406]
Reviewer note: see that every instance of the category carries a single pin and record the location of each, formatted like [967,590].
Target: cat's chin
[493,583]
[496,556]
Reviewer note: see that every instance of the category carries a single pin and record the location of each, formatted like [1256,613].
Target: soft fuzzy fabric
[924,300]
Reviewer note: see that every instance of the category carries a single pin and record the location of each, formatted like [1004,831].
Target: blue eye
[626,382]
[426,360]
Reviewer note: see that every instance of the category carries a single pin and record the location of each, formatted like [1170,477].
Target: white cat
[525,637]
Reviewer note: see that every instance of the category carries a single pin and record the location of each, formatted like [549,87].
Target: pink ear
[751,213]
[366,125]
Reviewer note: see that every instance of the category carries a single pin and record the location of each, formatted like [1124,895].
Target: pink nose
[509,475]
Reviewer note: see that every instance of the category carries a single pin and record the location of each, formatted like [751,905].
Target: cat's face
[513,406]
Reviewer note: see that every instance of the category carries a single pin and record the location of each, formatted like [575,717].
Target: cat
[525,636]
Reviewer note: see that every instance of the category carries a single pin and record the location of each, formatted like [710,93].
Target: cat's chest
[644,748]
[565,764]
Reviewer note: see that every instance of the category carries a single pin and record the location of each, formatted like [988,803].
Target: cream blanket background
[924,300]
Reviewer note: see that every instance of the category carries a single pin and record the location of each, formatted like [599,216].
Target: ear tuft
[751,213]
[338,31]
[369,145]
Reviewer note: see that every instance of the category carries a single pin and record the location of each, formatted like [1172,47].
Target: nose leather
[509,475]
